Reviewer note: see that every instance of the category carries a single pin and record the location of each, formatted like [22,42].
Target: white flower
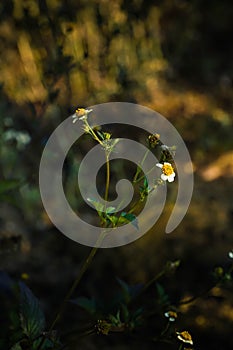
[81,114]
[168,173]
[185,337]
[171,315]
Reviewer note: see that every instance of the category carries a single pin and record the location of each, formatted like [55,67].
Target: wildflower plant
[110,216]
[131,311]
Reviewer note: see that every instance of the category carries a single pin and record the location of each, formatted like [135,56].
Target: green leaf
[145,183]
[31,316]
[125,313]
[98,206]
[131,218]
[124,286]
[49,344]
[87,304]
[115,320]
[113,219]
[110,210]
[130,291]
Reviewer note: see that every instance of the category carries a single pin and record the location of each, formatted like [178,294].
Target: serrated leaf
[87,304]
[31,316]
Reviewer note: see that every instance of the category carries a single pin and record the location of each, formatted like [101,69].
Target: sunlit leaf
[110,210]
[131,218]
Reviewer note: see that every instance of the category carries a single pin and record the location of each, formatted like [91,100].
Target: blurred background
[174,56]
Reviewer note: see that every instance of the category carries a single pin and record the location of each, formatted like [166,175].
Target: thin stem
[159,275]
[79,333]
[95,137]
[166,329]
[154,279]
[107,177]
[84,268]
[74,285]
[70,292]
[142,177]
[141,164]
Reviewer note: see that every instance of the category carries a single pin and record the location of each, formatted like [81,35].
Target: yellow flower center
[186,335]
[80,112]
[167,169]
[172,314]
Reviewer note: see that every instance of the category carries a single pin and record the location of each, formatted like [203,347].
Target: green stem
[84,268]
[153,280]
[166,329]
[107,177]
[79,333]
[142,177]
[139,168]
[74,285]
[70,292]
[95,137]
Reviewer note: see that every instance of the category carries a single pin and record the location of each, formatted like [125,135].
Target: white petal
[159,165]
[170,178]
[164,177]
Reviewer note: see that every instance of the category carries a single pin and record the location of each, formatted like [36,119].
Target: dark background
[175,57]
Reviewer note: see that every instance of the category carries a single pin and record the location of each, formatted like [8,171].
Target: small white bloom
[171,315]
[168,173]
[81,114]
[185,337]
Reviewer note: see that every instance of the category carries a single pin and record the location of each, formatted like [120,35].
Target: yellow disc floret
[167,169]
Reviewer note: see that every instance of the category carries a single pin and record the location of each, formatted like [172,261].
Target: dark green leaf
[125,313]
[31,316]
[124,286]
[130,291]
[87,304]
